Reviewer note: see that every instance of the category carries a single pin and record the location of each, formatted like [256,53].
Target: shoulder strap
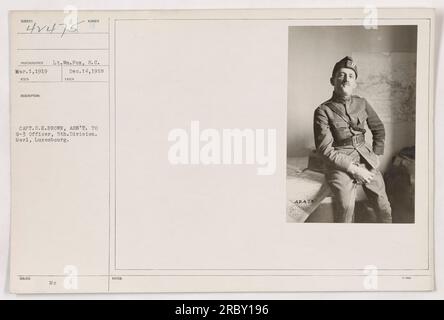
[338,111]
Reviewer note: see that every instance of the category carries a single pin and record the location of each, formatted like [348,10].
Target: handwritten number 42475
[55,28]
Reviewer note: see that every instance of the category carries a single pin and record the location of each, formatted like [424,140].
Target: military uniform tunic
[339,131]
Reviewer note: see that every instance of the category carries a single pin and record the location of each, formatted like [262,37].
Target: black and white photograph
[351,124]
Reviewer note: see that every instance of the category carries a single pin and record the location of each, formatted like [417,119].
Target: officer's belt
[352,141]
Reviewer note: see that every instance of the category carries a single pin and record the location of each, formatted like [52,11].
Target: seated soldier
[340,138]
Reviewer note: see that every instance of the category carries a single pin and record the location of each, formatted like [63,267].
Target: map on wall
[388,82]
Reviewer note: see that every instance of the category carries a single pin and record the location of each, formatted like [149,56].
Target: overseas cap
[346,62]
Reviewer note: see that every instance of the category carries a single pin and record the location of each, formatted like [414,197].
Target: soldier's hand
[361,174]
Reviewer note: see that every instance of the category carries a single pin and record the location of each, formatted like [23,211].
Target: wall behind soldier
[313,51]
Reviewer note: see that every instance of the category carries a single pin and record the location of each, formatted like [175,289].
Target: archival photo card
[188,151]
